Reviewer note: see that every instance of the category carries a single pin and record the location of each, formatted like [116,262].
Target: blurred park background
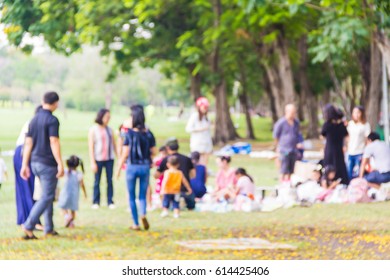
[249,57]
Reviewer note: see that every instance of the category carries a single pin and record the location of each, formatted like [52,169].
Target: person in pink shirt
[225,180]
[244,185]
[102,152]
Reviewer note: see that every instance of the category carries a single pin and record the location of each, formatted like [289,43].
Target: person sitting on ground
[379,151]
[244,191]
[328,182]
[185,166]
[198,184]
[69,197]
[171,185]
[245,185]
[308,191]
[225,180]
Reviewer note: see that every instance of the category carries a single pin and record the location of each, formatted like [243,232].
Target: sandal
[68,222]
[145,223]
[135,228]
[28,233]
[52,233]
[27,237]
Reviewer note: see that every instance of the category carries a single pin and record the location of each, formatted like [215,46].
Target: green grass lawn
[320,232]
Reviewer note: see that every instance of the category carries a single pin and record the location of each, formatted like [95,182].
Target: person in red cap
[199,126]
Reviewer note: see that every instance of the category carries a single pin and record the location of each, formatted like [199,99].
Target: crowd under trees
[302,51]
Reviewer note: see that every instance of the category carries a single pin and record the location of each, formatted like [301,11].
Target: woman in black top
[335,131]
[138,148]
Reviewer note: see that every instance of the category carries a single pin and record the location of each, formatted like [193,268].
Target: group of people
[38,164]
[351,151]
[178,177]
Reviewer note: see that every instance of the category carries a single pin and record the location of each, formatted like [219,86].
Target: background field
[320,232]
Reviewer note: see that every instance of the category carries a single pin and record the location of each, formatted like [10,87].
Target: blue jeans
[353,161]
[174,198]
[134,172]
[47,177]
[109,166]
[189,199]
[378,178]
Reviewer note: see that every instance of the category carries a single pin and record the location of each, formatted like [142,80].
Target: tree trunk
[301,106]
[224,128]
[271,98]
[326,98]
[383,42]
[285,71]
[195,88]
[250,134]
[375,92]
[364,61]
[337,86]
[307,95]
[275,89]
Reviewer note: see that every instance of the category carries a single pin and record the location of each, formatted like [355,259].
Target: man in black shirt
[42,145]
[186,167]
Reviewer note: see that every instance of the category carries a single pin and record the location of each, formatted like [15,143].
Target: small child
[157,162]
[328,180]
[328,183]
[244,185]
[244,191]
[69,197]
[198,184]
[149,193]
[171,185]
[3,171]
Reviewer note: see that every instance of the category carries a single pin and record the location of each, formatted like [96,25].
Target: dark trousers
[109,166]
[189,200]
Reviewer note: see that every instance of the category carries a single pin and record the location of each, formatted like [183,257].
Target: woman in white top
[358,130]
[199,127]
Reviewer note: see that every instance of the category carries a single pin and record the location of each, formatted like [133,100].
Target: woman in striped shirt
[102,151]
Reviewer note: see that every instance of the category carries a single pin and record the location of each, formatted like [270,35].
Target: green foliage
[179,38]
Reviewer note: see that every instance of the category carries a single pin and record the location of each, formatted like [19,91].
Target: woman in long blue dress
[24,190]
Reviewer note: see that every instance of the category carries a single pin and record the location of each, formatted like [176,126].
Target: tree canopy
[280,51]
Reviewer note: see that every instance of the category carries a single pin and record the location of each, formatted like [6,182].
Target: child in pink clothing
[225,180]
[244,185]
[157,161]
[245,189]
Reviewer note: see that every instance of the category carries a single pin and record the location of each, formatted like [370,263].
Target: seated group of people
[374,169]
[230,183]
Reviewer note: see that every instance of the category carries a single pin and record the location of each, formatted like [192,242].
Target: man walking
[43,146]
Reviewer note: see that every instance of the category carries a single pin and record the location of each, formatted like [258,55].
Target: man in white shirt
[379,151]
